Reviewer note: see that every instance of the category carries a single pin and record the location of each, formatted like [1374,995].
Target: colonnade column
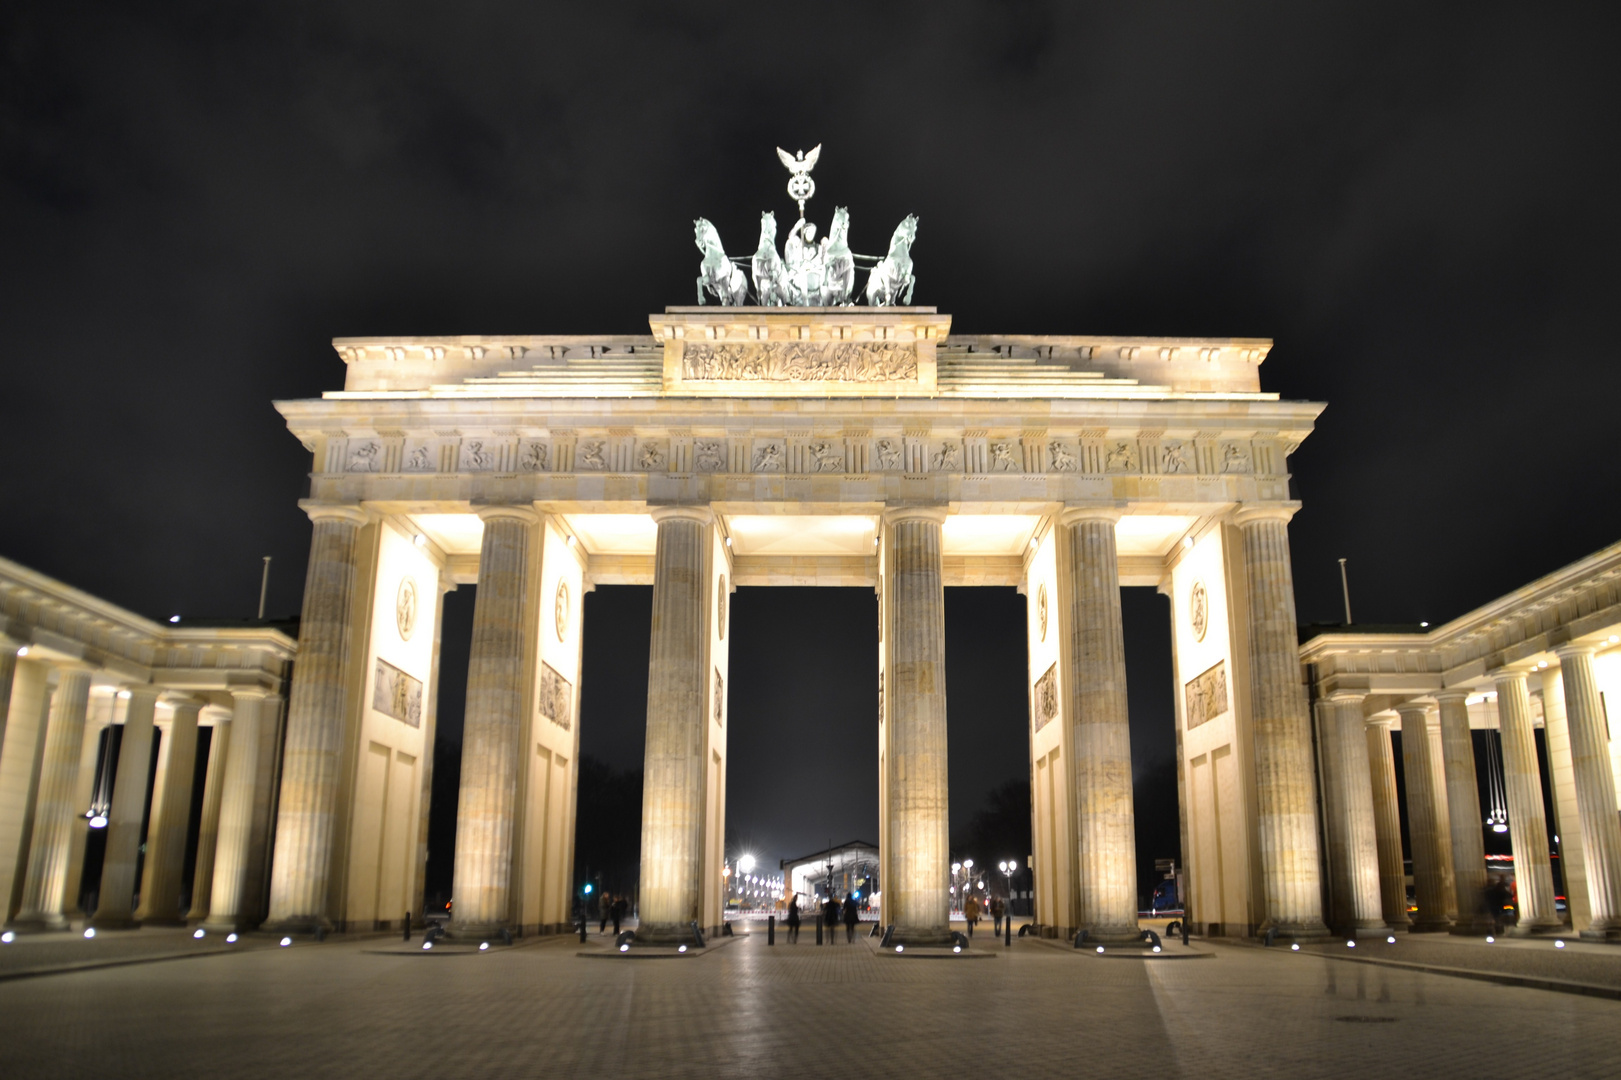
[916,898]
[202,878]
[316,724]
[673,782]
[1280,731]
[1595,790]
[228,892]
[1463,806]
[1527,826]
[115,906]
[171,813]
[1094,681]
[1346,753]
[497,705]
[1387,824]
[1423,828]
[55,815]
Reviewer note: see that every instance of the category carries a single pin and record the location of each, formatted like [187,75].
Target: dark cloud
[1417,205]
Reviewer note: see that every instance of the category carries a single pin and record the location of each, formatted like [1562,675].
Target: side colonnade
[1545,657]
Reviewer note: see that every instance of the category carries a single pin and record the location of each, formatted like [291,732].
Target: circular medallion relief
[1041,610]
[720,608]
[562,610]
[1199,610]
[405,608]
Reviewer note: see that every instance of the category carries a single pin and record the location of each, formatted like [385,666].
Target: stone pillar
[115,905]
[171,813]
[228,888]
[316,725]
[1527,828]
[1463,815]
[1423,829]
[497,705]
[8,674]
[55,815]
[916,898]
[1595,790]
[1566,825]
[202,878]
[1387,824]
[1346,752]
[673,784]
[1094,681]
[1280,731]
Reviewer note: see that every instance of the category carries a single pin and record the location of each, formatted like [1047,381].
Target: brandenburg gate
[787,445]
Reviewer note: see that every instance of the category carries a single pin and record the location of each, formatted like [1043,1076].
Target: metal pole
[1345,590]
[264,587]
[770,929]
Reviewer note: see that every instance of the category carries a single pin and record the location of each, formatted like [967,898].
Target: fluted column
[202,878]
[226,895]
[916,898]
[1463,815]
[1280,731]
[497,699]
[673,780]
[115,905]
[8,674]
[1387,824]
[55,815]
[1346,751]
[1527,826]
[305,824]
[1094,681]
[1429,876]
[171,813]
[1595,790]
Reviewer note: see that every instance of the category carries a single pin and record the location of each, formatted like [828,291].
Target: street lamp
[1009,867]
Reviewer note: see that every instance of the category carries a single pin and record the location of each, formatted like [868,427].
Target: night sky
[1417,202]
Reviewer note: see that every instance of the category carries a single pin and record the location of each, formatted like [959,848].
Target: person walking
[793,920]
[830,917]
[998,909]
[970,913]
[604,903]
[619,907]
[852,915]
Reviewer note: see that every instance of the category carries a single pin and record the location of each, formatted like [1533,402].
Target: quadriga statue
[718,274]
[891,281]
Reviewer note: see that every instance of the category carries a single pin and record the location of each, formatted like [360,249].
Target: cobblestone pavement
[340,1010]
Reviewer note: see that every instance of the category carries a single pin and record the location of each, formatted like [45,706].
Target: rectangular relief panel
[397,694]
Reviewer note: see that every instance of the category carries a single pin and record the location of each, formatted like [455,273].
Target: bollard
[818,928]
[407,925]
[1184,931]
[770,929]
[1007,928]
[582,924]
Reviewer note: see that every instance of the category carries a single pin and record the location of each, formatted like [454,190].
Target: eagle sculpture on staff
[808,273]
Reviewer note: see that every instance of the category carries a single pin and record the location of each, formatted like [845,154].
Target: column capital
[894,515]
[1573,648]
[1413,705]
[702,514]
[130,690]
[1452,695]
[1348,697]
[1074,515]
[1382,720]
[1508,676]
[248,693]
[501,511]
[353,513]
[1248,513]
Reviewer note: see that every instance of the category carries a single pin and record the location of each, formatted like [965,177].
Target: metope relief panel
[1207,695]
[1046,697]
[946,456]
[770,456]
[1175,457]
[1235,458]
[591,455]
[709,455]
[1121,456]
[800,361]
[653,455]
[534,455]
[886,454]
[396,694]
[1063,455]
[556,696]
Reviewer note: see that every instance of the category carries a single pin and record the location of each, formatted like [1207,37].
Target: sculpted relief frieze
[800,361]
[1047,697]
[1207,695]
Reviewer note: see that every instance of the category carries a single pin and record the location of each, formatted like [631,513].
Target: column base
[1609,932]
[1369,932]
[113,922]
[1536,930]
[297,924]
[1477,927]
[1119,937]
[1304,931]
[482,931]
[150,921]
[922,936]
[226,924]
[673,933]
[1430,926]
[38,924]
